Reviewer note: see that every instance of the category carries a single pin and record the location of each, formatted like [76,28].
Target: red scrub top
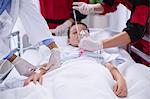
[138,23]
[57,11]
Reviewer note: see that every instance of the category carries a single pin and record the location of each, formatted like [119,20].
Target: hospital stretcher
[18,38]
[131,48]
[137,76]
[6,66]
[144,56]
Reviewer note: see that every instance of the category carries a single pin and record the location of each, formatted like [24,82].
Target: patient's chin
[74,45]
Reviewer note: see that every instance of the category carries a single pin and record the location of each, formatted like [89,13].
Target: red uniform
[138,24]
[57,12]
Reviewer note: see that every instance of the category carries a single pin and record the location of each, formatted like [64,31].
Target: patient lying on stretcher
[101,57]
[71,54]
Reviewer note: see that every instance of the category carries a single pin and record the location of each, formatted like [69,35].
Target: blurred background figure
[114,22]
[137,25]
[59,14]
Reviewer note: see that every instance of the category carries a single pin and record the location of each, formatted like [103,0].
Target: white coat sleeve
[4,49]
[33,22]
[7,22]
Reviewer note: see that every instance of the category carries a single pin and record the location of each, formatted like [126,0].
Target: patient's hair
[68,33]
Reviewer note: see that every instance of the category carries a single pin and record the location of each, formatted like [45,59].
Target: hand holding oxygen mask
[86,43]
[90,45]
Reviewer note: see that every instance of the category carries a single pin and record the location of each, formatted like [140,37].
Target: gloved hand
[59,30]
[83,8]
[88,44]
[54,60]
[23,67]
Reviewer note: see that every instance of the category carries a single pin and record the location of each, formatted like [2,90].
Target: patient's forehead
[80,27]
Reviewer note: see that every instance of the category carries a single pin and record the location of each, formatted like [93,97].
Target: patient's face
[74,36]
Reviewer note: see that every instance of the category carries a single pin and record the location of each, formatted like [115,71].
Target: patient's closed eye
[74,32]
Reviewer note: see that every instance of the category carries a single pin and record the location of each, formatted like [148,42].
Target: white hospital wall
[97,21]
[115,21]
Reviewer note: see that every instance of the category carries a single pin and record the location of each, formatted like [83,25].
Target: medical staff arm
[136,28]
[61,29]
[118,40]
[27,69]
[22,66]
[85,8]
[138,24]
[79,15]
[120,87]
[54,60]
[90,45]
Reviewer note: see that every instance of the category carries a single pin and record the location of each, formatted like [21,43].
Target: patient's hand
[120,88]
[36,77]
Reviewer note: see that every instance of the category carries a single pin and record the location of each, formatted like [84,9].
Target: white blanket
[75,80]
[29,92]
[84,79]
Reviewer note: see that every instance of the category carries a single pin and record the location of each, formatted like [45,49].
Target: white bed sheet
[72,81]
[89,81]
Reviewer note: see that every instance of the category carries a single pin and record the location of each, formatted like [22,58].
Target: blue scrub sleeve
[47,41]
[9,55]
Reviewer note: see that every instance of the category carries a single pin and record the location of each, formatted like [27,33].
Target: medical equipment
[131,48]
[75,18]
[6,66]
[5,69]
[27,45]
[17,44]
[83,33]
[79,36]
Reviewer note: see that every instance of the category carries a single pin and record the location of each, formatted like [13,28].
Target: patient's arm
[120,87]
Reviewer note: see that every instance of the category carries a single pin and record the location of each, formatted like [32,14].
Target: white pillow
[95,34]
[61,41]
